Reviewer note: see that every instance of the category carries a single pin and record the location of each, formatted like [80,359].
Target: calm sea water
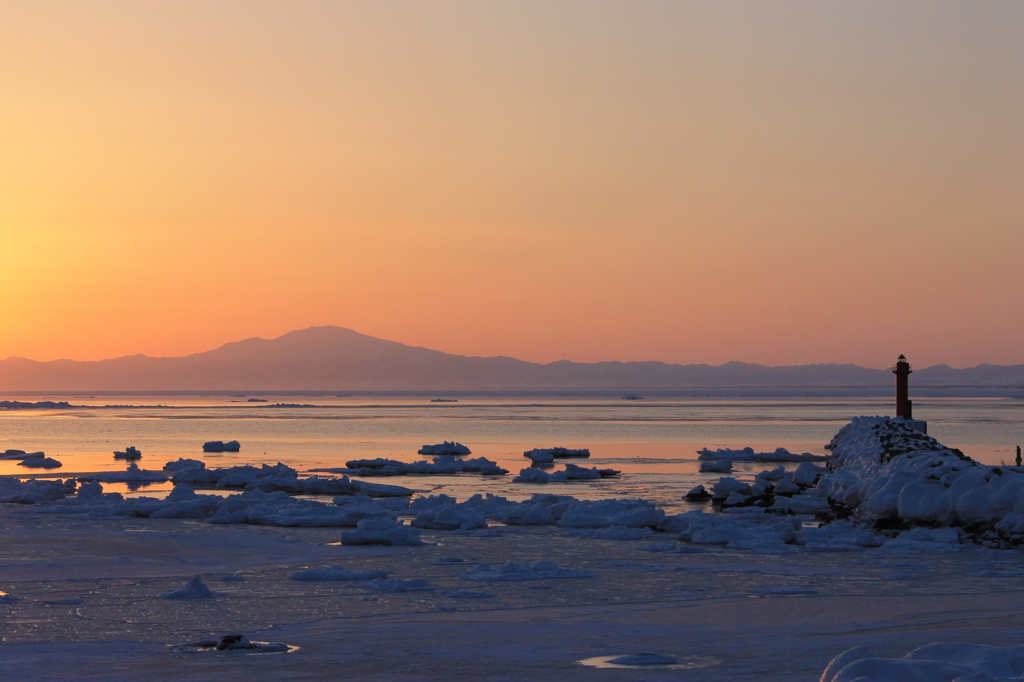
[652,441]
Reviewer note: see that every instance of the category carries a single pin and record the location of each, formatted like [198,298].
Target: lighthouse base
[916,424]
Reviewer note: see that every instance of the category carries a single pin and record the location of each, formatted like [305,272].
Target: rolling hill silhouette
[339,359]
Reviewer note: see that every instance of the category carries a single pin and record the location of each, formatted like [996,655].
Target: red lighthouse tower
[904,408]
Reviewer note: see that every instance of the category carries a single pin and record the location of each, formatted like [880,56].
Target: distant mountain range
[334,359]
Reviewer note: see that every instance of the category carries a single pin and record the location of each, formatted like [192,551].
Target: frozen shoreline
[749,594]
[721,603]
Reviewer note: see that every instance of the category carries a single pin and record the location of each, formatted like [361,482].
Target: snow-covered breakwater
[885,476]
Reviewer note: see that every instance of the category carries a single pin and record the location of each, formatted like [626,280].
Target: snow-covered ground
[760,590]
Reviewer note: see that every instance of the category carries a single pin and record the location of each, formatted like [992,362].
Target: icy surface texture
[339,573]
[538,570]
[939,662]
[397,585]
[195,589]
[381,532]
[132,474]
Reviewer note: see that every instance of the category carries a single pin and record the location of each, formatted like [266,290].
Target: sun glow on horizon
[684,182]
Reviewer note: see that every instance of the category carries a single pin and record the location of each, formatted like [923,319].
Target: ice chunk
[12,454]
[748,455]
[727,486]
[450,518]
[445,448]
[221,446]
[181,464]
[34,491]
[546,455]
[697,493]
[717,466]
[20,454]
[195,589]
[798,504]
[538,570]
[572,472]
[130,452]
[34,462]
[442,464]
[605,513]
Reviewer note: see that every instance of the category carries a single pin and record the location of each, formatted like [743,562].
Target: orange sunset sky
[776,182]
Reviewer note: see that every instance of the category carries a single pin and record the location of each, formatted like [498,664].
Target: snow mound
[132,474]
[195,589]
[382,532]
[748,455]
[572,472]
[445,448]
[538,570]
[939,662]
[339,573]
[547,455]
[221,446]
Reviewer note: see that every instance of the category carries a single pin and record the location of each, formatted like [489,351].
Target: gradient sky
[776,182]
